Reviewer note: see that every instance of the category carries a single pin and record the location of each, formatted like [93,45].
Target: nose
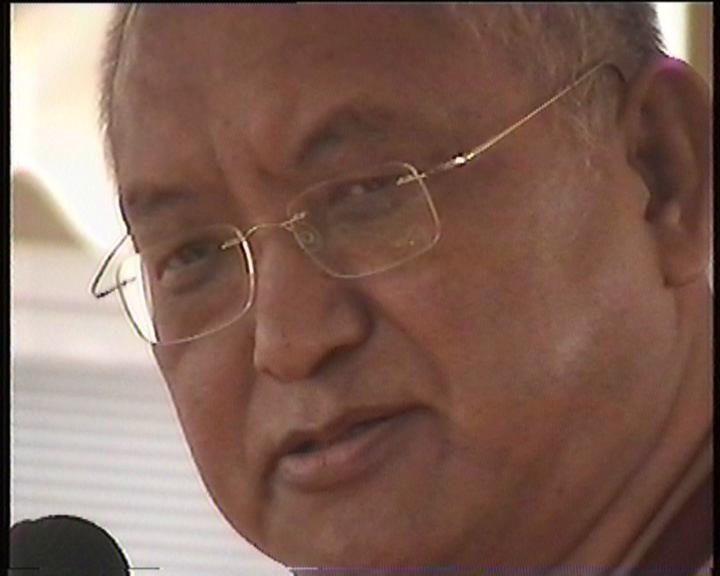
[303,316]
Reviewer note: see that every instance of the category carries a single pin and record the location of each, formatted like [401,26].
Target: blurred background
[92,428]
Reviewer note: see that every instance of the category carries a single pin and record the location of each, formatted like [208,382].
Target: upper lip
[334,427]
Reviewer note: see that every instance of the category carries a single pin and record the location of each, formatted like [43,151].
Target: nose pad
[308,236]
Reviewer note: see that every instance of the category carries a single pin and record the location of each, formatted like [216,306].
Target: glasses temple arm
[479,149]
[464,158]
[101,272]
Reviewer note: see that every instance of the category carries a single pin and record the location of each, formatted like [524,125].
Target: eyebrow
[142,202]
[351,119]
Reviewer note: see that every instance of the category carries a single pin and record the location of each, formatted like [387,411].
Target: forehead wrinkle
[142,202]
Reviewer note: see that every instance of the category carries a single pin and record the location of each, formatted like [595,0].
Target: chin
[349,556]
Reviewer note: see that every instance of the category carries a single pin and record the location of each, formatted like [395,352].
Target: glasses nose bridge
[286,225]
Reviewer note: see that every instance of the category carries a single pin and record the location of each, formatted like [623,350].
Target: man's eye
[184,264]
[189,255]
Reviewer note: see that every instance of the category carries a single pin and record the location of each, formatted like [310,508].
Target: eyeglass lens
[200,281]
[368,223]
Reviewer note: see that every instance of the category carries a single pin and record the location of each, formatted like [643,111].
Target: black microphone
[64,546]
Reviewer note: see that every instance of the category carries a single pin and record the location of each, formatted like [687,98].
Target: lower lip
[343,460]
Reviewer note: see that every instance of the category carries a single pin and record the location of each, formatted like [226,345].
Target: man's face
[503,375]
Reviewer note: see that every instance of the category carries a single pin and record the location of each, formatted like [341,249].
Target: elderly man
[428,284]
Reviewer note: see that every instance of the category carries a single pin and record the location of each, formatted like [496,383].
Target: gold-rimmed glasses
[201,280]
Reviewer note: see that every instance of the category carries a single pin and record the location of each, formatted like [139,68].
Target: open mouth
[354,431]
[321,460]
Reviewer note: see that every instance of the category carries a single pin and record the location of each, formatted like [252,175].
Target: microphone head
[64,546]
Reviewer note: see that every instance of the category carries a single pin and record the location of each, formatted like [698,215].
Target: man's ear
[667,121]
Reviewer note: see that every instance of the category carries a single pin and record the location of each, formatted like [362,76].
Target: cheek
[206,379]
[210,382]
[537,326]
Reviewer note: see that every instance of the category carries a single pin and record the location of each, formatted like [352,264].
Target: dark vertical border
[5,255]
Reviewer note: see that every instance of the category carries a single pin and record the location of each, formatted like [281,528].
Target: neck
[666,500]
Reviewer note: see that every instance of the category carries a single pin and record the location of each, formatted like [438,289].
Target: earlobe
[666,117]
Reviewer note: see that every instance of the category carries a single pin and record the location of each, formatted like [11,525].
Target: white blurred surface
[673,17]
[55,60]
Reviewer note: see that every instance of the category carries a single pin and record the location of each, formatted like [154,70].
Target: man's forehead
[248,38]
[265,74]
[255,21]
